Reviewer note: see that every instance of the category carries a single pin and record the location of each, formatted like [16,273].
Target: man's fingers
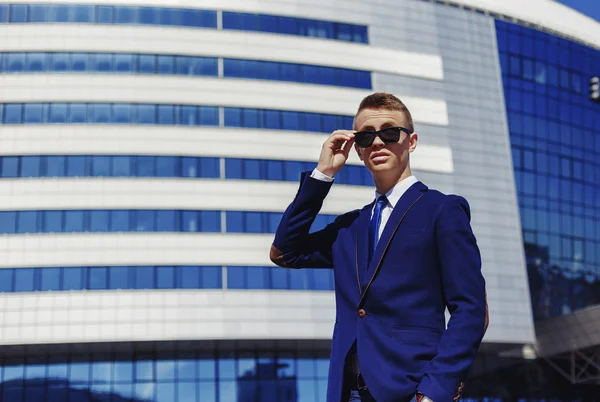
[348,147]
[337,140]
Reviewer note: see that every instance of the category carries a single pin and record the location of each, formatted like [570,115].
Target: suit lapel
[406,202]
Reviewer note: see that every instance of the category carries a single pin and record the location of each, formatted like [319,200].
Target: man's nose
[378,143]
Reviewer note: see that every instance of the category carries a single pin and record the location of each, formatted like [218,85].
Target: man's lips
[379,157]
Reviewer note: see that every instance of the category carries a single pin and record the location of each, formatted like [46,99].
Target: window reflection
[295,26]
[123,113]
[163,277]
[264,377]
[554,144]
[123,63]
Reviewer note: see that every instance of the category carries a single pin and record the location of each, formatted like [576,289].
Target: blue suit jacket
[427,259]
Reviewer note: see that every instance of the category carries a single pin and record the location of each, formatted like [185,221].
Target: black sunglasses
[388,135]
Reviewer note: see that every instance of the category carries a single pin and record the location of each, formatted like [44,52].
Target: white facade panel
[169,315]
[202,91]
[210,42]
[196,141]
[116,316]
[91,249]
[193,194]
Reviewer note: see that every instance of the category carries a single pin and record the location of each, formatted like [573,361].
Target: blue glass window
[209,116]
[236,277]
[151,16]
[160,277]
[24,280]
[144,278]
[166,64]
[58,113]
[101,113]
[147,63]
[53,222]
[31,166]
[3,13]
[189,221]
[18,13]
[59,62]
[189,277]
[126,15]
[74,221]
[6,280]
[9,166]
[295,26]
[73,278]
[233,117]
[124,63]
[118,278]
[188,115]
[27,222]
[104,14]
[198,18]
[99,221]
[8,221]
[548,135]
[98,278]
[147,114]
[77,113]
[210,167]
[169,16]
[105,113]
[145,166]
[13,113]
[82,14]
[33,113]
[296,73]
[36,62]
[165,277]
[167,221]
[210,221]
[166,114]
[77,166]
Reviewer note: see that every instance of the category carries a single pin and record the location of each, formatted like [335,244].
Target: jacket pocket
[410,334]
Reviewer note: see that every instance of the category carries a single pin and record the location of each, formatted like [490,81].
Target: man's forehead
[368,116]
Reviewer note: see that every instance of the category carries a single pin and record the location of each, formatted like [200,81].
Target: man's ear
[358,151]
[412,145]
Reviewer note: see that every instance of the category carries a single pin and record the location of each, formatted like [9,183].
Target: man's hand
[335,151]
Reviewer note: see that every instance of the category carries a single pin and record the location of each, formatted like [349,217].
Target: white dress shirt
[393,196]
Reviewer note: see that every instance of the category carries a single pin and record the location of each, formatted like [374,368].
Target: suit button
[361,313]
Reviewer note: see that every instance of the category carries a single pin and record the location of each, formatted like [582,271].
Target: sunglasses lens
[364,138]
[391,134]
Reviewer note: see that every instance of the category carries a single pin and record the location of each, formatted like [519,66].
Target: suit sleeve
[464,294]
[294,246]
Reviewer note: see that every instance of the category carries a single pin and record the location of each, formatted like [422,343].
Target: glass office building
[555,139]
[147,153]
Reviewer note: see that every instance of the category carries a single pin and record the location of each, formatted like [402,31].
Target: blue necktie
[375,224]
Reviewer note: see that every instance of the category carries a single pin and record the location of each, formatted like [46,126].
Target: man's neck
[384,183]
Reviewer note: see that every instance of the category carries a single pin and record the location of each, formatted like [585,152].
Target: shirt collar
[398,190]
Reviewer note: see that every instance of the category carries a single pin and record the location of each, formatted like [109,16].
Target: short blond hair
[385,101]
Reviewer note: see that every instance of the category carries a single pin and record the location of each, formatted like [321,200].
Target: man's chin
[382,167]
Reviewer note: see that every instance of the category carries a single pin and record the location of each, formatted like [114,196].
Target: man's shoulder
[436,197]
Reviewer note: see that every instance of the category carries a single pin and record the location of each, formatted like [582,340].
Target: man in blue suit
[398,262]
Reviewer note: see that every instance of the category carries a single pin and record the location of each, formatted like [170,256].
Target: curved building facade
[149,148]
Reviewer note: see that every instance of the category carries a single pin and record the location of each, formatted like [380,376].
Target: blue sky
[588,7]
